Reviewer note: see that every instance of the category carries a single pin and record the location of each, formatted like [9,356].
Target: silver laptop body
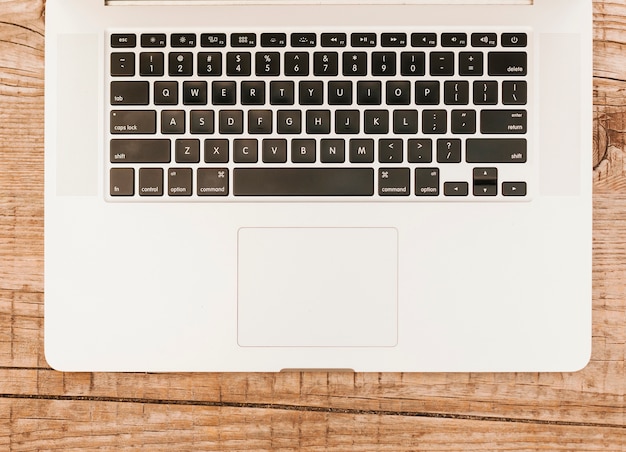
[239,186]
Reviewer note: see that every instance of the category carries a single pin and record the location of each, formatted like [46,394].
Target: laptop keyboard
[390,115]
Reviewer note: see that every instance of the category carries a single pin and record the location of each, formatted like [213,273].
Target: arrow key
[455,188]
[513,188]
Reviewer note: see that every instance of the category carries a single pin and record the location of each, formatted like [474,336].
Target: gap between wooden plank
[305,408]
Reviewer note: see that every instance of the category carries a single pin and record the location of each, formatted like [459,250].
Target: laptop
[313,185]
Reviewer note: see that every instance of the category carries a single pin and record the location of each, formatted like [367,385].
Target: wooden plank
[87,425]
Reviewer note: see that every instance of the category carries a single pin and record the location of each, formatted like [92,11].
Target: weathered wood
[41,409]
[60,425]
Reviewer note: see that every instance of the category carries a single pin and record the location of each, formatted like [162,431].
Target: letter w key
[194,93]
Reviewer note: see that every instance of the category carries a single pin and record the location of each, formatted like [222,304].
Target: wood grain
[41,409]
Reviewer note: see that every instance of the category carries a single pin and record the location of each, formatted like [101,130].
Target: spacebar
[303,182]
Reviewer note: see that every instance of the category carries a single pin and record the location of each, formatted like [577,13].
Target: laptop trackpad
[317,287]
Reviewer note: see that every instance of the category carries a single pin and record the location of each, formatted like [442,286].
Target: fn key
[122,182]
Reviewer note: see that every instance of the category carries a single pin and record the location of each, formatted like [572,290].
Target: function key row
[187,40]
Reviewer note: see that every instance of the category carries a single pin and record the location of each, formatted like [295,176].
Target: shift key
[133,121]
[140,151]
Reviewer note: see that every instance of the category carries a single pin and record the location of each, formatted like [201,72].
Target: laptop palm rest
[317,287]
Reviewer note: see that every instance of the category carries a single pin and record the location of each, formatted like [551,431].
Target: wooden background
[41,409]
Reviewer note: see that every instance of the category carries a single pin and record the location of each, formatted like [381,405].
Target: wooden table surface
[41,409]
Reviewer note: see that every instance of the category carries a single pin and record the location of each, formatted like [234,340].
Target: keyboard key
[122,64]
[122,182]
[153,40]
[259,121]
[273,40]
[318,122]
[354,63]
[503,121]
[347,121]
[434,121]
[179,181]
[303,181]
[224,93]
[194,93]
[363,39]
[181,63]
[130,93]
[281,93]
[514,39]
[303,151]
[393,40]
[201,121]
[340,93]
[213,40]
[303,39]
[485,181]
[453,39]
[231,122]
[484,39]
[405,122]
[172,121]
[216,151]
[274,151]
[165,93]
[325,63]
[210,64]
[449,151]
[243,40]
[296,64]
[253,93]
[238,63]
[485,92]
[187,151]
[398,93]
[470,64]
[420,150]
[463,121]
[514,93]
[442,63]
[413,63]
[334,40]
[383,63]
[212,182]
[140,151]
[456,93]
[289,121]
[496,150]
[332,151]
[121,40]
[183,39]
[245,151]
[361,151]
[424,40]
[455,188]
[513,188]
[369,93]
[311,93]
[507,63]
[151,64]
[376,121]
[267,63]
[427,181]
[150,182]
[390,150]
[133,121]
[394,181]
[427,93]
